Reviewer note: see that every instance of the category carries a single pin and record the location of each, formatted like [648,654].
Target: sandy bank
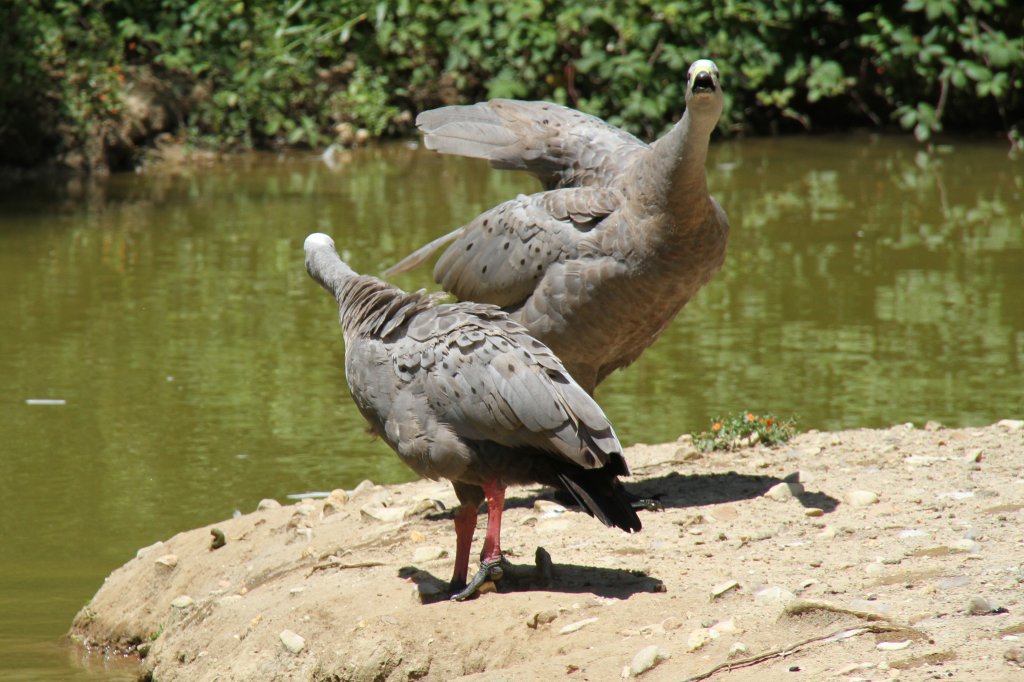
[912,537]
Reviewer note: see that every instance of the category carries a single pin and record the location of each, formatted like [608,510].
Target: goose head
[704,88]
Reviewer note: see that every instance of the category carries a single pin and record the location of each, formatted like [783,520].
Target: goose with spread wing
[599,263]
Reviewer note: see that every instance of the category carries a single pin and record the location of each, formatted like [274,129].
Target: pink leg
[495,493]
[490,558]
[465,525]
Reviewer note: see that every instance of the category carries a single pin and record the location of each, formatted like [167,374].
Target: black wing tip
[601,495]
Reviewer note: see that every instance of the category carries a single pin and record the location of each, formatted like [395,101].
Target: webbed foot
[490,569]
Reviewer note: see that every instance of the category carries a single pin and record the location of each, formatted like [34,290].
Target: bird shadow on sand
[547,576]
[677,490]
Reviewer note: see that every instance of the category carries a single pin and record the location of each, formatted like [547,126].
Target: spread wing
[560,146]
[501,255]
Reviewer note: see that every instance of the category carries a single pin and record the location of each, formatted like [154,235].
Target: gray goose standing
[625,234]
[461,391]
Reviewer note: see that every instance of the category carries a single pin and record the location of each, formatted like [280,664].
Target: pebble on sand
[980,606]
[541,618]
[143,551]
[268,503]
[647,658]
[721,588]
[578,625]
[785,491]
[737,649]
[292,641]
[1011,424]
[381,513]
[698,638]
[773,595]
[167,561]
[548,508]
[428,553]
[182,602]
[861,498]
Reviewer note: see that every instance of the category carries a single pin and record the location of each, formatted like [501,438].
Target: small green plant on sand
[744,429]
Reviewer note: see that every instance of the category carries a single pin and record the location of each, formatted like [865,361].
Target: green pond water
[199,369]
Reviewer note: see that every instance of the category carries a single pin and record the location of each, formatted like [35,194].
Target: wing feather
[502,254]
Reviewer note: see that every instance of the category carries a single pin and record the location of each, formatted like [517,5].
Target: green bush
[265,73]
[743,430]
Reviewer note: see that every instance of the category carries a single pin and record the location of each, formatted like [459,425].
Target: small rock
[980,606]
[296,591]
[933,426]
[578,625]
[861,498]
[541,618]
[417,536]
[828,533]
[428,553]
[149,548]
[547,508]
[698,638]
[874,569]
[855,668]
[770,596]
[671,623]
[913,533]
[182,602]
[785,491]
[721,588]
[363,487]
[1011,424]
[338,496]
[893,646]
[647,658]
[1014,654]
[420,507]
[330,508]
[737,649]
[268,503]
[722,627]
[167,561]
[304,508]
[973,457]
[385,514]
[293,642]
[814,511]
[965,545]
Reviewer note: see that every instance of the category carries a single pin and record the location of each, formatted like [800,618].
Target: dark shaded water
[867,284]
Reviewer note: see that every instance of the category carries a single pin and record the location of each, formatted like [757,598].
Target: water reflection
[866,284]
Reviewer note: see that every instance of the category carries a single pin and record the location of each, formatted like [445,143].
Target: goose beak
[704,82]
[703,76]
